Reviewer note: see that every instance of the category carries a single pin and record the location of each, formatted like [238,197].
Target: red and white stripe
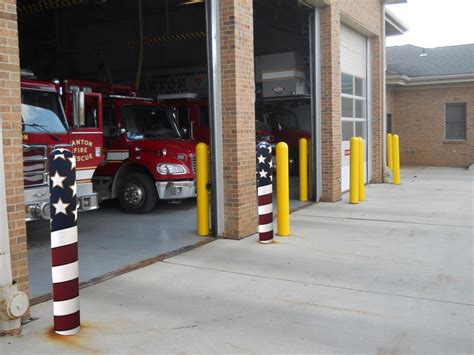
[265,213]
[65,274]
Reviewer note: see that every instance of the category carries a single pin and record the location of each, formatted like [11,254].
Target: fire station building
[316,64]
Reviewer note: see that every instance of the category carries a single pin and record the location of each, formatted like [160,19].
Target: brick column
[330,104]
[238,117]
[377,109]
[10,108]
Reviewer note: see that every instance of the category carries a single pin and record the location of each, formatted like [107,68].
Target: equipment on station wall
[282,75]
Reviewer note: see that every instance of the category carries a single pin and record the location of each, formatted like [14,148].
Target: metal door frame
[216,146]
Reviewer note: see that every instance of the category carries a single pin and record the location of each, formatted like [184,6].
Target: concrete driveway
[392,275]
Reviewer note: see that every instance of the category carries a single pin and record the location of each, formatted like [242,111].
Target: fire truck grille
[194,163]
[208,164]
[35,167]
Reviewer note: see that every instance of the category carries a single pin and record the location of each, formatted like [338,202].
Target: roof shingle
[451,60]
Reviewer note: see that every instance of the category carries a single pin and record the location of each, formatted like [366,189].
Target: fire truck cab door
[86,137]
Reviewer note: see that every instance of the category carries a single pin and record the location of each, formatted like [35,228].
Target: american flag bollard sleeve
[65,265]
[265,192]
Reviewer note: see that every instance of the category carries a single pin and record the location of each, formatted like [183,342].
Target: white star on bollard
[59,156]
[61,207]
[263,173]
[261,159]
[75,214]
[270,163]
[74,189]
[73,162]
[58,180]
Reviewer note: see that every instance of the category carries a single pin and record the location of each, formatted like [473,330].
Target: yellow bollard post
[390,151]
[201,190]
[396,159]
[283,189]
[303,169]
[361,169]
[354,170]
[310,171]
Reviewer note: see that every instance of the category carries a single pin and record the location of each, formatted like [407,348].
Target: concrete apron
[391,275]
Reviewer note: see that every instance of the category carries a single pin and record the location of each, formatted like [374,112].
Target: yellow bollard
[354,171]
[202,194]
[283,189]
[310,171]
[396,159]
[361,170]
[303,165]
[390,151]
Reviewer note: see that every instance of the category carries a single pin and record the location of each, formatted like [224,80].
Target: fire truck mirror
[82,109]
[78,108]
[123,131]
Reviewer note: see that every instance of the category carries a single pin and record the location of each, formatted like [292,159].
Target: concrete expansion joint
[386,220]
[320,284]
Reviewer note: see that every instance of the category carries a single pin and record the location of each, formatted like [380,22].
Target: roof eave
[391,2]
[393,25]
[404,80]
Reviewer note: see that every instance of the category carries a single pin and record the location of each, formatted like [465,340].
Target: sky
[435,23]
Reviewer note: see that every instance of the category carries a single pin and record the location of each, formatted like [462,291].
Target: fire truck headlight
[171,169]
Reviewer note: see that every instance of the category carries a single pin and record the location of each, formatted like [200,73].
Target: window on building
[353,106]
[455,121]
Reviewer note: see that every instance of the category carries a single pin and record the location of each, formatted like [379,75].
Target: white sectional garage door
[353,95]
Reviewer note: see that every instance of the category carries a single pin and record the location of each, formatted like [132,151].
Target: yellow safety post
[354,171]
[390,151]
[310,170]
[396,159]
[303,165]
[201,187]
[361,170]
[283,189]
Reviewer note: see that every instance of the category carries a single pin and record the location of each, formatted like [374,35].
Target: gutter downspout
[5,260]
[13,304]
[384,99]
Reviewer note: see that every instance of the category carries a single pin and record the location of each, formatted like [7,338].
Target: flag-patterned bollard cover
[65,265]
[265,192]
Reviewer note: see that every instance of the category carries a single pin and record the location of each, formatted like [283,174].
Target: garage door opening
[134,73]
[282,81]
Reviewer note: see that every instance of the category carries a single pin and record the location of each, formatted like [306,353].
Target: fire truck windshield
[42,112]
[149,122]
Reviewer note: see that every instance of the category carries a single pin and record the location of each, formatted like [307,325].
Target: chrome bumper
[175,190]
[37,201]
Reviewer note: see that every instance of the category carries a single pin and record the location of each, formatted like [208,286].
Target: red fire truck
[192,113]
[47,125]
[284,125]
[146,157]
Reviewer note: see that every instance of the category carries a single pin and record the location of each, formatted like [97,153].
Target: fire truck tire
[138,194]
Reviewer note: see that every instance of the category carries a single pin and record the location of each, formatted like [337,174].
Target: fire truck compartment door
[87,140]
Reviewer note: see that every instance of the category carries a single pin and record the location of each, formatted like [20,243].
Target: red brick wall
[418,118]
[377,109]
[365,16]
[238,117]
[330,104]
[10,107]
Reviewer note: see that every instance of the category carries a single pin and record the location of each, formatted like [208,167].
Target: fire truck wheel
[138,194]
